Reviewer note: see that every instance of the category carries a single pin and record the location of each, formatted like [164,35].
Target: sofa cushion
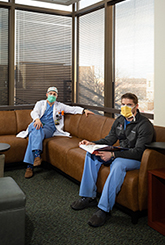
[107,126]
[23,119]
[71,123]
[160,133]
[75,163]
[90,127]
[57,148]
[17,148]
[128,195]
[8,123]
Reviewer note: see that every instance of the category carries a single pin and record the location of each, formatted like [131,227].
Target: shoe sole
[89,223]
[95,226]
[37,164]
[29,177]
[89,206]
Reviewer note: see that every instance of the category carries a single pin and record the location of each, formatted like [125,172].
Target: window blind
[43,56]
[91,58]
[134,52]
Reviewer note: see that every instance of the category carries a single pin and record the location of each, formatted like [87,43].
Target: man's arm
[74,109]
[36,112]
[145,136]
[104,155]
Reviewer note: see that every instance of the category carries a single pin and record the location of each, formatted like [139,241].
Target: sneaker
[37,162]
[28,173]
[99,218]
[84,202]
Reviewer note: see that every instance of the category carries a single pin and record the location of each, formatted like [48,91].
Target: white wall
[159,77]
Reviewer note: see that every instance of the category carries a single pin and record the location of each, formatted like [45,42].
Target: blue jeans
[113,182]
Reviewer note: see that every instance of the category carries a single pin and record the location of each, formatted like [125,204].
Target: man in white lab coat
[48,121]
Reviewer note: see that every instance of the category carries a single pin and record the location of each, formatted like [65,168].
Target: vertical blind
[43,56]
[134,51]
[3,56]
[91,58]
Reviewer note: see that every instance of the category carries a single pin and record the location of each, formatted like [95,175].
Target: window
[86,3]
[3,56]
[134,52]
[43,52]
[45,5]
[91,58]
[43,56]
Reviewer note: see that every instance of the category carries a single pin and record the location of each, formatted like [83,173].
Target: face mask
[51,98]
[126,111]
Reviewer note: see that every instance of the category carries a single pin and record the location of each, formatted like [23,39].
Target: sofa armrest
[151,159]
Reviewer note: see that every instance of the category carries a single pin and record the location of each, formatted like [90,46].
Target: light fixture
[63,2]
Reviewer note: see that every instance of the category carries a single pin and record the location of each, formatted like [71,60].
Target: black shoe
[99,218]
[84,202]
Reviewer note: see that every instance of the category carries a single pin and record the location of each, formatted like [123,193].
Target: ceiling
[63,2]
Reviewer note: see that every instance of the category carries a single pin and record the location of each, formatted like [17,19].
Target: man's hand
[104,155]
[86,142]
[87,112]
[38,124]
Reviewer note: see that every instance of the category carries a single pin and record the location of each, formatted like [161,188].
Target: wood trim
[11,43]
[109,110]
[96,108]
[109,58]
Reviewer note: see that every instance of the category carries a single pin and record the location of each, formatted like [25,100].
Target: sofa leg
[134,217]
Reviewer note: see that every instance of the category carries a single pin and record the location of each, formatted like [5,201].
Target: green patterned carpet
[50,220]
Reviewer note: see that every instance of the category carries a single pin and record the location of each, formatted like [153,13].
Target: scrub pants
[113,182]
[36,137]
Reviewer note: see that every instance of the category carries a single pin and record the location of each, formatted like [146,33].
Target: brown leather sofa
[64,154]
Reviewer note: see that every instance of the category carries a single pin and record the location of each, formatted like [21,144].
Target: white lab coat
[39,110]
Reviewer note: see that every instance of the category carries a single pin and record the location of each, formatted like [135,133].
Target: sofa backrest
[159,133]
[8,124]
[107,126]
[23,119]
[90,127]
[83,127]
[93,127]
[71,123]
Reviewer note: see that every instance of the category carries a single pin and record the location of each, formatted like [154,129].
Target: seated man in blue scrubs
[48,121]
[133,131]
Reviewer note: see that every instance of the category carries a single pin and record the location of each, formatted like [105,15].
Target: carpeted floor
[50,220]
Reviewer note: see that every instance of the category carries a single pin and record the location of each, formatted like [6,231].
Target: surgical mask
[126,111]
[51,98]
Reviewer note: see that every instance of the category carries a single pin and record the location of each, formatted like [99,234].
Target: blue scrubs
[36,136]
[113,183]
